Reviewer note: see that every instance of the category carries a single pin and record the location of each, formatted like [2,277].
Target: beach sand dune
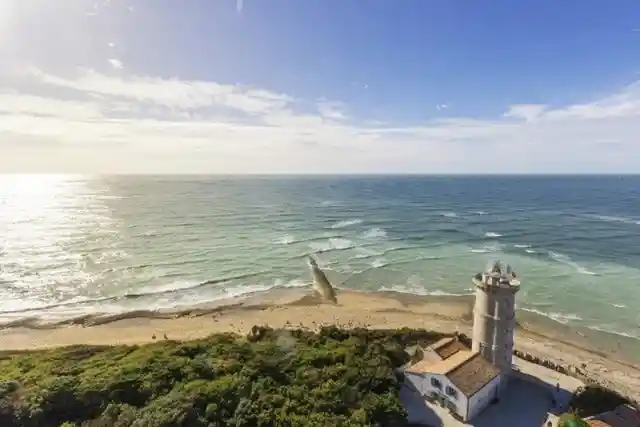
[298,309]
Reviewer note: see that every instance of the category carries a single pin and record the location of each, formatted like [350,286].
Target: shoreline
[624,348]
[295,308]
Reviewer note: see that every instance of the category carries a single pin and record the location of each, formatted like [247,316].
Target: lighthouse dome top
[497,274]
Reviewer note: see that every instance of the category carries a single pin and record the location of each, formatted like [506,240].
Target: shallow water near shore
[80,246]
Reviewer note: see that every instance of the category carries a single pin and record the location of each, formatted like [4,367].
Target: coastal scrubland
[268,378]
[271,377]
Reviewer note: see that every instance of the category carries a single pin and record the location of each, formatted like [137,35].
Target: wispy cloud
[528,112]
[331,110]
[94,122]
[441,107]
[116,63]
[239,6]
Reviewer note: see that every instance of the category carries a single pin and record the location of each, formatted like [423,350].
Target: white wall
[422,383]
[483,397]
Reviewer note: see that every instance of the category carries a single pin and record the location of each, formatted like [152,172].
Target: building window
[436,383]
[451,392]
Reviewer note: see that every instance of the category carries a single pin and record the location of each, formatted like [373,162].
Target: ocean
[74,245]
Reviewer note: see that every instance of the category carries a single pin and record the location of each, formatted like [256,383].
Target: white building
[466,381]
[459,379]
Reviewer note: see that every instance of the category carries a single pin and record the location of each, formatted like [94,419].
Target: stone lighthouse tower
[494,316]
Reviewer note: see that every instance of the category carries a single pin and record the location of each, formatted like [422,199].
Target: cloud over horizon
[95,122]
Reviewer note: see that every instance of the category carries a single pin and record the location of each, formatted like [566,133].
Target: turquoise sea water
[72,245]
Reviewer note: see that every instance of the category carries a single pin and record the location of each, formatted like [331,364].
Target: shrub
[595,399]
[270,378]
[571,419]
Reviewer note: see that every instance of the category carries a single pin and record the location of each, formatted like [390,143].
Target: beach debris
[321,284]
[153,337]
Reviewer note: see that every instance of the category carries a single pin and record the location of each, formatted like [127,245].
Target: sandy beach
[297,309]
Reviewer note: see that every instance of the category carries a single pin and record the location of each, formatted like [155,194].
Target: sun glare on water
[41,217]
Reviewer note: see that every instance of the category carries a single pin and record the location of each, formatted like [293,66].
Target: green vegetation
[571,420]
[269,378]
[594,399]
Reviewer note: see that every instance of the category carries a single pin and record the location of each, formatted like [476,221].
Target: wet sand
[295,308]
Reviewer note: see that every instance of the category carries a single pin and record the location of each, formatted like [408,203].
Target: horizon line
[340,174]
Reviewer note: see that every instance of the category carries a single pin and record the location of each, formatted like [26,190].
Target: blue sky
[332,86]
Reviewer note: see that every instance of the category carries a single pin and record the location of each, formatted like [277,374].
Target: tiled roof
[467,370]
[441,367]
[473,374]
[450,348]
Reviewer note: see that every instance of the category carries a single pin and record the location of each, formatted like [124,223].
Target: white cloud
[441,107]
[97,123]
[331,110]
[116,63]
[529,112]
[239,5]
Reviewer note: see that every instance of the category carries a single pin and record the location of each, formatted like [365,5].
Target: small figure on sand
[321,285]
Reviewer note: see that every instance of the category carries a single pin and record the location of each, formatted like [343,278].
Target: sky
[319,86]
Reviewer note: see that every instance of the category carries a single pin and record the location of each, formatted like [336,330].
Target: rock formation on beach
[321,284]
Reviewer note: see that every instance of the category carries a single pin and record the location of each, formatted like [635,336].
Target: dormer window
[436,383]
[451,392]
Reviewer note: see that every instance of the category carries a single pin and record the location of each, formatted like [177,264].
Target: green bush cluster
[595,399]
[269,378]
[570,419]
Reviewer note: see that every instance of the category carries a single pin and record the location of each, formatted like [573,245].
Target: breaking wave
[564,259]
[558,317]
[347,223]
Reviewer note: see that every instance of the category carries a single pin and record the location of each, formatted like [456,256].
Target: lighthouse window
[436,383]
[451,392]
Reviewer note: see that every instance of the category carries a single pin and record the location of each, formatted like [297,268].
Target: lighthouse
[494,316]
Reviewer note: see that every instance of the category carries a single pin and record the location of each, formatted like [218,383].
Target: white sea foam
[284,240]
[558,317]
[492,234]
[619,305]
[419,290]
[375,233]
[378,262]
[450,214]
[564,259]
[621,219]
[530,251]
[492,247]
[521,246]
[295,283]
[331,244]
[346,223]
[365,253]
[480,212]
[610,330]
[179,285]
